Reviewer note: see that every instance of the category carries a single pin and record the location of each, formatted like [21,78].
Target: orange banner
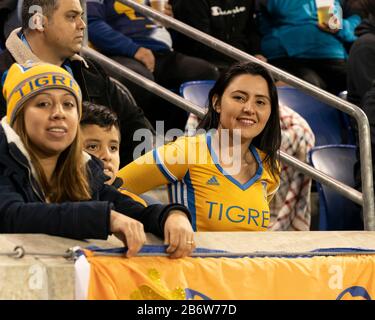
[157,278]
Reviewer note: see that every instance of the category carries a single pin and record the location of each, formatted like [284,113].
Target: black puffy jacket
[361,82]
[23,208]
[361,62]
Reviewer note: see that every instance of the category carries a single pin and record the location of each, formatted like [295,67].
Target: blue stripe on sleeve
[162,168]
[191,201]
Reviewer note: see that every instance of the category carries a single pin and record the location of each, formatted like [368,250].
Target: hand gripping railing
[365,199]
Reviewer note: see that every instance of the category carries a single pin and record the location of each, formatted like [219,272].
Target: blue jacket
[117,29]
[289,29]
[23,208]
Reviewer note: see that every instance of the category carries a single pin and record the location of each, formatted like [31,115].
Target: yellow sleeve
[167,164]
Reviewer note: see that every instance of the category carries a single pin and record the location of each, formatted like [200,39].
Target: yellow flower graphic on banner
[158,292]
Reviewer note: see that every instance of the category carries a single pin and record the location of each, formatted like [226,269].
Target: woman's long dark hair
[269,139]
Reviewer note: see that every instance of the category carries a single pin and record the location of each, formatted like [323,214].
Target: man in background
[54,34]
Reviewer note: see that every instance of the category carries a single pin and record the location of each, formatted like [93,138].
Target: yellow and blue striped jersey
[217,201]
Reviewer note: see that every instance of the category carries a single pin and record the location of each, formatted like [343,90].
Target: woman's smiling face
[51,121]
[245,105]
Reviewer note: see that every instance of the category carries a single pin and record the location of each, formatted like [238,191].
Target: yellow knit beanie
[22,82]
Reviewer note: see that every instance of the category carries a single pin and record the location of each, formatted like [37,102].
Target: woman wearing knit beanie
[48,185]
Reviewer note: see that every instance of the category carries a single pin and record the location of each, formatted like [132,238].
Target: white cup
[324,10]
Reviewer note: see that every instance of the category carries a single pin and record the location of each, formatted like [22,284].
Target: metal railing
[365,199]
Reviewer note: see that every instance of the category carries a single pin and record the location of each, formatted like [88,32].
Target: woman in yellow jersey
[228,174]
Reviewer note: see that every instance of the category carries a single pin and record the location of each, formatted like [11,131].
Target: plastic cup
[324,10]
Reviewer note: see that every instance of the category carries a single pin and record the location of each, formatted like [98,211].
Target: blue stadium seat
[336,211]
[197,91]
[327,123]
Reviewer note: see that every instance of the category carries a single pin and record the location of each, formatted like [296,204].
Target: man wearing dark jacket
[361,73]
[361,63]
[230,21]
[55,35]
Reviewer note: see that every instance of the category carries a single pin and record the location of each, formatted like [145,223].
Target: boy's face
[103,143]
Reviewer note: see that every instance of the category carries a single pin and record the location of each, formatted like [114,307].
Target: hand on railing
[179,235]
[129,231]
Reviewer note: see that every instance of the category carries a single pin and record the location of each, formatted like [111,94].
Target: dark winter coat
[23,208]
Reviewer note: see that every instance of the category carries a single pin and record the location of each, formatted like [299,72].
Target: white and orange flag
[349,276]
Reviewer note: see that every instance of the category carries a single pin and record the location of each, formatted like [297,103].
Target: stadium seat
[327,123]
[197,91]
[336,211]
